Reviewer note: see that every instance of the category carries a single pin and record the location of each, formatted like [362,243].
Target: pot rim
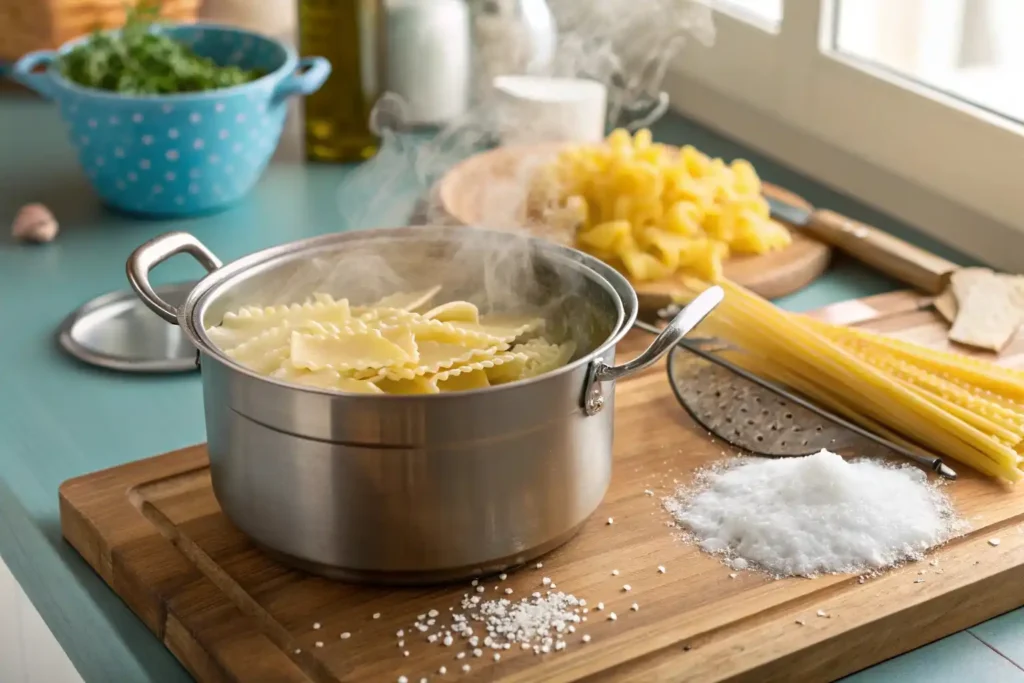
[190,312]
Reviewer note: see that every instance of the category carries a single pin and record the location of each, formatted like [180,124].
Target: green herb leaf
[137,61]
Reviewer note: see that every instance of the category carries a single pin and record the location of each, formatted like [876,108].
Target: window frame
[934,161]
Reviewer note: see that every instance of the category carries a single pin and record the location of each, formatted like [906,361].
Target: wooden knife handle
[891,255]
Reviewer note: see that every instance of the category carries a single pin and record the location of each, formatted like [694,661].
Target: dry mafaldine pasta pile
[388,347]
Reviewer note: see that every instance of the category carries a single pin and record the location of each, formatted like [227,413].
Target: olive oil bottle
[349,34]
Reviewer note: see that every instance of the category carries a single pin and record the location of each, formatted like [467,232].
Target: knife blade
[896,258]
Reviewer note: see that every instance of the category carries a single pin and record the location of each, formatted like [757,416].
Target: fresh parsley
[138,61]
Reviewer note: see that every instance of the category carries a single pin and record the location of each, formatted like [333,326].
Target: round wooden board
[489,189]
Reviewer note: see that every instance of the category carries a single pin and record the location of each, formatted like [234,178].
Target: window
[965,49]
[913,106]
[767,13]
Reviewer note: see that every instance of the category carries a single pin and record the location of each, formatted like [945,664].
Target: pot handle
[681,325]
[156,251]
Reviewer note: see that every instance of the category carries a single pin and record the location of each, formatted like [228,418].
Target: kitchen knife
[891,255]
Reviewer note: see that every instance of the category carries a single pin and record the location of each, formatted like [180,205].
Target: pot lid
[117,331]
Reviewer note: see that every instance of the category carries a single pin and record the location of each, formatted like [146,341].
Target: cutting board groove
[153,531]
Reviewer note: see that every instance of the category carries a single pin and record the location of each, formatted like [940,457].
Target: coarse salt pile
[817,514]
[540,622]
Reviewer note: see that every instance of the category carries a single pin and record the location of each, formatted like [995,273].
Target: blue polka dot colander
[182,154]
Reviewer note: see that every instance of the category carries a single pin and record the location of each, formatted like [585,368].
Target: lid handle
[154,252]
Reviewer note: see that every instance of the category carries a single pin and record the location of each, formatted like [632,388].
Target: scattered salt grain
[799,622]
[298,651]
[815,514]
[586,637]
[405,653]
[400,633]
[403,679]
[822,613]
[733,576]
[502,577]
[316,626]
[627,588]
[546,581]
[475,582]
[461,655]
[442,670]
[615,572]
[401,643]
[540,565]
[600,606]
[376,615]
[918,580]
[635,607]
[480,589]
[661,569]
[319,643]
[611,520]
[993,542]
[508,591]
[497,656]
[611,616]
[466,668]
[477,652]
[346,635]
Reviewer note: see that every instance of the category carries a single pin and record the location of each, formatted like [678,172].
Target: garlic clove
[34,223]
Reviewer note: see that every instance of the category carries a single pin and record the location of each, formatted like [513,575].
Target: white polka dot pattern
[195,154]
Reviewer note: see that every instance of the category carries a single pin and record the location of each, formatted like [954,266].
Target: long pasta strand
[961,408]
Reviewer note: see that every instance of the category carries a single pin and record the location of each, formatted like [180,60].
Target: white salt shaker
[428,61]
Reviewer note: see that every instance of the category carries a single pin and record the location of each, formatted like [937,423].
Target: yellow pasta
[954,406]
[388,347]
[654,212]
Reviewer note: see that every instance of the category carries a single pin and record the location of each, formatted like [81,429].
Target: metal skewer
[933,463]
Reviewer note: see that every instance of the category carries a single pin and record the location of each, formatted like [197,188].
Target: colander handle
[154,252]
[310,73]
[681,325]
[42,83]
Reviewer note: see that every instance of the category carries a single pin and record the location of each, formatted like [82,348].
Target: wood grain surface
[488,189]
[153,531]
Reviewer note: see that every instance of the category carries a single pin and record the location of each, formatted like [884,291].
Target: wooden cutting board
[152,529]
[488,190]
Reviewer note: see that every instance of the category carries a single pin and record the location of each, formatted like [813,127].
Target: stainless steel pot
[413,489]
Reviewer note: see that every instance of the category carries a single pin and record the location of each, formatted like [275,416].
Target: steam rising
[611,41]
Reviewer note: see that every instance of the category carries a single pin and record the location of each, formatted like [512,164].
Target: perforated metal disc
[748,416]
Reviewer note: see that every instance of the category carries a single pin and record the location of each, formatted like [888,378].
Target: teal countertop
[60,419]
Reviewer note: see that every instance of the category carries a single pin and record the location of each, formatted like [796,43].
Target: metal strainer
[749,416]
[761,417]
